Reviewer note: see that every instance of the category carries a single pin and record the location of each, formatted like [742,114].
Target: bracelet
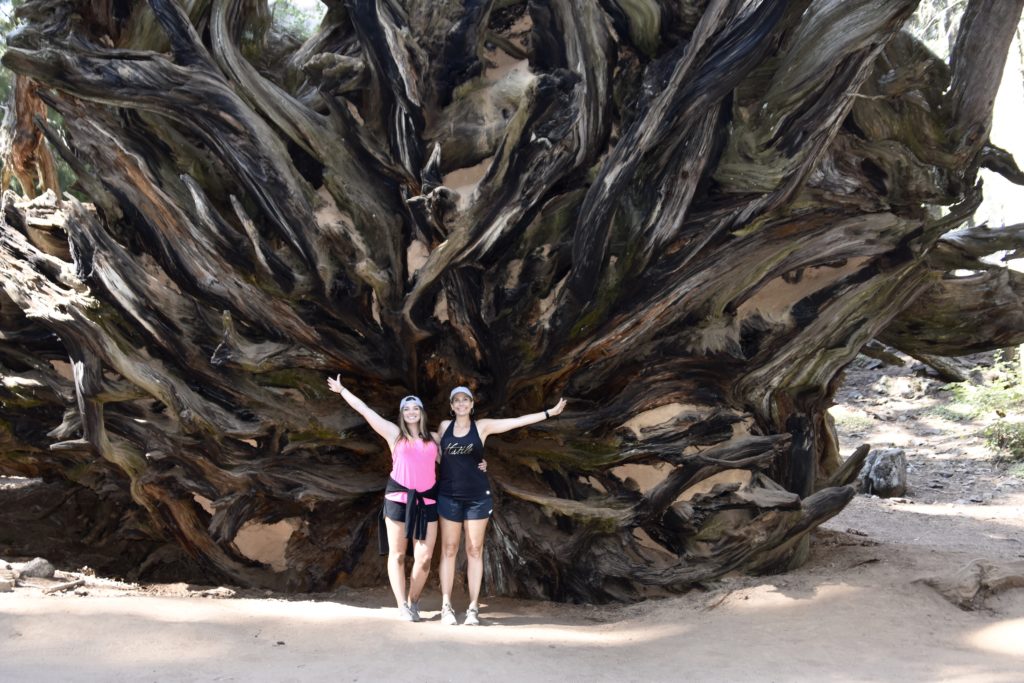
[546,416]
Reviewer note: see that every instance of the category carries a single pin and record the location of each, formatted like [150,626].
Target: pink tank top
[414,467]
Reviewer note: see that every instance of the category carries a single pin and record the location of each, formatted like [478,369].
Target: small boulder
[37,568]
[7,580]
[884,473]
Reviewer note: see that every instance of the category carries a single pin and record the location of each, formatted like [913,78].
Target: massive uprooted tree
[687,217]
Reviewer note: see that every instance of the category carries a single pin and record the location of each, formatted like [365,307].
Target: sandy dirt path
[852,613]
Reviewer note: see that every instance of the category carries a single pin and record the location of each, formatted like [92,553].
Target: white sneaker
[414,610]
[406,614]
[472,617]
[448,615]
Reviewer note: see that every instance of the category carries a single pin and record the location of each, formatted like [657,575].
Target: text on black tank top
[460,475]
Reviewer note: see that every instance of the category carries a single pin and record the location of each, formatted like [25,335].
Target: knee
[396,557]
[474,552]
[449,550]
[423,562]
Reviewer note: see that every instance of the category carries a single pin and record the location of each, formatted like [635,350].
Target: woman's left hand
[483,465]
[557,410]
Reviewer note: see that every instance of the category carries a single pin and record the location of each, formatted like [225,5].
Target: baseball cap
[460,390]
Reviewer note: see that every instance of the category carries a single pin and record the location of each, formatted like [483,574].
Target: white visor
[460,390]
[410,401]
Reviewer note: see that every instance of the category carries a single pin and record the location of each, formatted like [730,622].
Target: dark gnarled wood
[688,217]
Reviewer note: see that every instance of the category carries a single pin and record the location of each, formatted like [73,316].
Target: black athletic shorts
[396,511]
[461,509]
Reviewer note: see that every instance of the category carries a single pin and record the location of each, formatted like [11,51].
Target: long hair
[404,428]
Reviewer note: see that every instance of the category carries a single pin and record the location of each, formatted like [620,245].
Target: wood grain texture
[686,217]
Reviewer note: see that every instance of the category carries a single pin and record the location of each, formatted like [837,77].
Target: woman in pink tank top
[413,476]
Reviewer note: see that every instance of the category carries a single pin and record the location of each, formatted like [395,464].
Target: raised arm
[487,427]
[386,429]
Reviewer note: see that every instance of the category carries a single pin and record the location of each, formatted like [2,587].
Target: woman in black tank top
[464,494]
[460,476]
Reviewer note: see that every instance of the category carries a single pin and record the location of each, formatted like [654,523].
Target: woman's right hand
[334,384]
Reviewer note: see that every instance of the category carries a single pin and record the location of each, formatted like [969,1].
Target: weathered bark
[686,217]
[22,151]
[973,306]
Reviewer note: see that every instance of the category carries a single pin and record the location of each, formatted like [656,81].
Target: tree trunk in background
[23,152]
[687,217]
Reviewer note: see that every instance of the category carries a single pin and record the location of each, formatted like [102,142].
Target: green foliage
[853,423]
[957,412]
[999,395]
[1001,391]
[297,18]
[1007,438]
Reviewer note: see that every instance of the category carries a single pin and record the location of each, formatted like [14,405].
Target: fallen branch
[68,585]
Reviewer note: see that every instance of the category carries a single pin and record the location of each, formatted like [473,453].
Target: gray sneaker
[414,610]
[406,614]
[472,617]
[448,615]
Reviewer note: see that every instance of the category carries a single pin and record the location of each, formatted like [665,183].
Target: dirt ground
[854,612]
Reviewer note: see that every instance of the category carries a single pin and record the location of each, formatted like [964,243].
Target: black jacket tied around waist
[415,517]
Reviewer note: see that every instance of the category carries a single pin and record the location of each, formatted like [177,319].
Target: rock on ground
[36,568]
[885,473]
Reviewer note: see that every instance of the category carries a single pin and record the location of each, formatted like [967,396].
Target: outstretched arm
[385,428]
[487,427]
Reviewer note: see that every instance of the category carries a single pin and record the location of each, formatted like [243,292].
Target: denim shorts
[461,509]
[395,511]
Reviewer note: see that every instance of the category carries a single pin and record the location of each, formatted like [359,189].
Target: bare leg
[422,551]
[451,535]
[396,558]
[475,530]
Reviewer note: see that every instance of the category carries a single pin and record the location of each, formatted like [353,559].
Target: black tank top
[460,475]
